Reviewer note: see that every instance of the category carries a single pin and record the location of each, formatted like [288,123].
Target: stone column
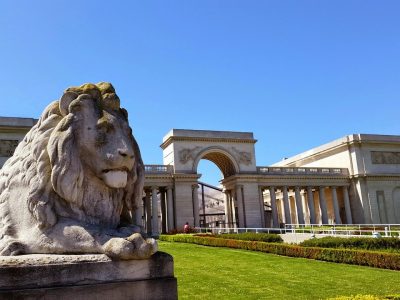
[338,220]
[196,217]
[170,209]
[306,212]
[154,205]
[139,215]
[282,209]
[347,206]
[163,211]
[310,201]
[288,219]
[148,212]
[322,204]
[239,199]
[272,195]
[262,210]
[227,210]
[233,206]
[299,206]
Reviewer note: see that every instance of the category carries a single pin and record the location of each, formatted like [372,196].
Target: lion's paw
[134,247]
[11,248]
[144,247]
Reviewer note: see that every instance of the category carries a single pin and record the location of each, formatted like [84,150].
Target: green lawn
[222,273]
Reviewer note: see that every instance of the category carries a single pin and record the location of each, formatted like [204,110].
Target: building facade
[373,164]
[352,180]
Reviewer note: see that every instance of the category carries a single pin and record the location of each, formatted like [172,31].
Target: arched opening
[210,194]
[222,162]
[213,165]
[210,173]
[221,158]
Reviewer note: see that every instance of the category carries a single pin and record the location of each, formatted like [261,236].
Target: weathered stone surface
[75,181]
[40,276]
[160,289]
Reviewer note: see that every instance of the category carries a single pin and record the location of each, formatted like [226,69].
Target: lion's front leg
[10,247]
[122,243]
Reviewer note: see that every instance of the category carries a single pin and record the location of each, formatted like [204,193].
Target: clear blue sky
[296,73]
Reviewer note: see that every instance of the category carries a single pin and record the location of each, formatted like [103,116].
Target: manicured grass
[222,273]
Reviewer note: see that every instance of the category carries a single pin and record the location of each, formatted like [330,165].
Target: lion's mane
[47,163]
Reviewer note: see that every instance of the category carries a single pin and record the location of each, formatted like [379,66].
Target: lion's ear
[66,100]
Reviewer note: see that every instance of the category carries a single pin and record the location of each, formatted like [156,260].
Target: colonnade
[234,207]
[305,208]
[150,213]
[291,205]
[288,204]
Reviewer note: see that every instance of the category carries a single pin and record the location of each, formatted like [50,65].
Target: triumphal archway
[233,153]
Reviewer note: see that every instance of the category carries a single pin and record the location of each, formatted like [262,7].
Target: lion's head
[83,161]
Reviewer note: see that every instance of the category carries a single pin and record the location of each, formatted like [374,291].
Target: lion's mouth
[115,178]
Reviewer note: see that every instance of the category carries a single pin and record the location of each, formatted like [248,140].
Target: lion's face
[105,144]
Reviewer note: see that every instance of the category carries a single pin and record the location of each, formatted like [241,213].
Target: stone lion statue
[75,181]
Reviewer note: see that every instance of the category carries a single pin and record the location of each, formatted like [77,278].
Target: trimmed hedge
[383,260]
[390,243]
[247,236]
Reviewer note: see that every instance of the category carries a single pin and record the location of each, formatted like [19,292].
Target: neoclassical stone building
[352,180]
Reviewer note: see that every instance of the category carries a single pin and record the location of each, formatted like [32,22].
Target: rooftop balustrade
[302,171]
[158,169]
[168,169]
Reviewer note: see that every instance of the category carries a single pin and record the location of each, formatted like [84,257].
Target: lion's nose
[125,153]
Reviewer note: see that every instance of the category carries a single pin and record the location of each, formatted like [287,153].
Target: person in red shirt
[186,228]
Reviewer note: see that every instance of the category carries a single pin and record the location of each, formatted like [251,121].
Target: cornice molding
[205,139]
[12,129]
[377,176]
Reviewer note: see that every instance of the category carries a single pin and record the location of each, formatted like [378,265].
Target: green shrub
[383,260]
[181,231]
[248,236]
[355,243]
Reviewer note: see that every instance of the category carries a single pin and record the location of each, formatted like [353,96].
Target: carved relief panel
[187,154]
[242,156]
[385,157]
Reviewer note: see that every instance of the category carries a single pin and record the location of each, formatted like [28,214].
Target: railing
[358,230]
[158,169]
[222,229]
[376,230]
[302,171]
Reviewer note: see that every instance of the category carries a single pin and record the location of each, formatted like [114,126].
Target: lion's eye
[105,127]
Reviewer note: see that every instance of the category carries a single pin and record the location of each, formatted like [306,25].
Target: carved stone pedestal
[77,277]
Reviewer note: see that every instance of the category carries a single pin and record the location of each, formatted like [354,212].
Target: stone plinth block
[42,276]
